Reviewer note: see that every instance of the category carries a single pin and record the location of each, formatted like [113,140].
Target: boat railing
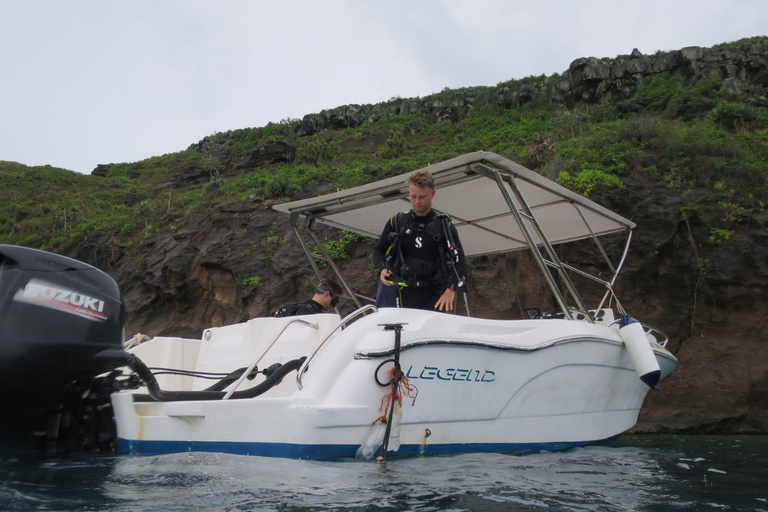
[347,319]
[662,339]
[137,340]
[264,351]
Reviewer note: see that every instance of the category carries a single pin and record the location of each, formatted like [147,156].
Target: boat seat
[225,349]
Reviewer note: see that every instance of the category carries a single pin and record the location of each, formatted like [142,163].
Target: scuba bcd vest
[292,308]
[417,272]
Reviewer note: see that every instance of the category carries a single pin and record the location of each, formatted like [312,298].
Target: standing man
[419,251]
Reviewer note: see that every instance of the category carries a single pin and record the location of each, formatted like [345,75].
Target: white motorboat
[396,380]
[470,384]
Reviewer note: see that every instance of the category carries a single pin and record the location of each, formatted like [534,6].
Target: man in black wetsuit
[422,249]
[325,299]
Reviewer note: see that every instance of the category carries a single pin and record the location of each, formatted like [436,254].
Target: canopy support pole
[309,254]
[496,175]
[352,295]
[616,274]
[550,250]
[316,269]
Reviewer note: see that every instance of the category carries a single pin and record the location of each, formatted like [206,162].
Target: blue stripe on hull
[327,451]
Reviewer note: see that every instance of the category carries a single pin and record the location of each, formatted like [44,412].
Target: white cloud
[87,81]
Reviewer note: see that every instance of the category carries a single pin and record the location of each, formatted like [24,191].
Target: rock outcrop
[741,67]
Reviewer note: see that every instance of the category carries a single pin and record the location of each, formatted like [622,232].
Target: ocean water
[642,473]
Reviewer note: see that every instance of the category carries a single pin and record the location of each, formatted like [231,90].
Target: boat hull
[318,451]
[483,385]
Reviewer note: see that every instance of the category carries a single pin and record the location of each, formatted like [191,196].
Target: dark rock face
[217,158]
[591,80]
[191,174]
[100,170]
[708,300]
[103,169]
[270,153]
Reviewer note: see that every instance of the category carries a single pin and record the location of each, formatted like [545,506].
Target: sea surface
[642,473]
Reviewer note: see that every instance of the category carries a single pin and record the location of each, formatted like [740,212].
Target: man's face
[421,199]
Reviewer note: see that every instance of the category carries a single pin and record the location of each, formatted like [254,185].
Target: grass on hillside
[671,134]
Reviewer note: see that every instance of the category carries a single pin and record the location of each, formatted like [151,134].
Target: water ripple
[645,474]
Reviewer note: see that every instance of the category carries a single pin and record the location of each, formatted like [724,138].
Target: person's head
[327,293]
[421,190]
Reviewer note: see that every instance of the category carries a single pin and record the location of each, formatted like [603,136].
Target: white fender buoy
[640,351]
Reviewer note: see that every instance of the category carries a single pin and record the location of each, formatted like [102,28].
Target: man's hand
[446,300]
[384,276]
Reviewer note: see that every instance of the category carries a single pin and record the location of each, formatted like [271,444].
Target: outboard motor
[56,314]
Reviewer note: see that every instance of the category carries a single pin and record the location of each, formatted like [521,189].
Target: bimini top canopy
[476,190]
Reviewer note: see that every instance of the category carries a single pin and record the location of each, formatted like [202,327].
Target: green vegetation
[586,181]
[248,281]
[669,133]
[272,242]
[719,236]
[337,248]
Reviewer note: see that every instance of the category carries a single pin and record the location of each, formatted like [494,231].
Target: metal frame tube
[531,243]
[550,250]
[592,234]
[352,295]
[616,274]
[580,272]
[306,251]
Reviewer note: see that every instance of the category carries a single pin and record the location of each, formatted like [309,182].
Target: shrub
[737,117]
[33,240]
[394,146]
[271,242]
[718,236]
[278,185]
[584,182]
[215,184]
[243,281]
[316,150]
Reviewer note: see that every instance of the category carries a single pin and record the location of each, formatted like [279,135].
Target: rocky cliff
[708,297]
[741,67]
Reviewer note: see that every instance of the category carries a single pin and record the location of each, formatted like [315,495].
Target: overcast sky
[84,82]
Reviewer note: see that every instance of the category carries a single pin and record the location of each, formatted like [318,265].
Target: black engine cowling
[56,314]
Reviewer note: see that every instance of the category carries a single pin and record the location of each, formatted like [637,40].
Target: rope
[404,388]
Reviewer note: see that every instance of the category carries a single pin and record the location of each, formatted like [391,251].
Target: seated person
[325,299]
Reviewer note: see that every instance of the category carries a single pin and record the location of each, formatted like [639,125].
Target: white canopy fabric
[468,191]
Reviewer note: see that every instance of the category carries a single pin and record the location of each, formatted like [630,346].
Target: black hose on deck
[158,395]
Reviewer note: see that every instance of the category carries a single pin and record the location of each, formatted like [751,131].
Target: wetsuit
[422,242]
[309,307]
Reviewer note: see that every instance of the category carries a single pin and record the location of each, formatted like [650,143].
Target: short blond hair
[422,179]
